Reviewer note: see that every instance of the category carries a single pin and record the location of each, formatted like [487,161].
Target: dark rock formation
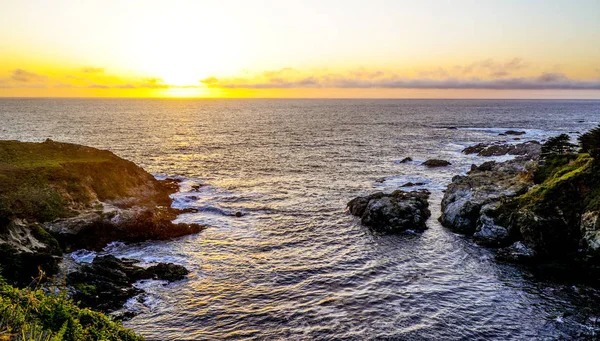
[530,149]
[412,184]
[436,163]
[393,212]
[107,283]
[406,159]
[514,132]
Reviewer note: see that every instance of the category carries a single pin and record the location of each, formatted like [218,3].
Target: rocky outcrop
[532,210]
[514,132]
[393,212]
[530,149]
[57,197]
[471,201]
[107,283]
[436,163]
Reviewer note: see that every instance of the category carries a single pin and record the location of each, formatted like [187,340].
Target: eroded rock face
[107,283]
[393,212]
[484,186]
[489,230]
[590,232]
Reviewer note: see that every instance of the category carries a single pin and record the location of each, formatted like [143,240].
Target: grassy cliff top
[29,155]
[49,180]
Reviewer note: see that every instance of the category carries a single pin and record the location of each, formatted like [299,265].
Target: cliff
[59,197]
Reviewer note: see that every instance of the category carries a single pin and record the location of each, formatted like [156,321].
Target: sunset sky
[309,48]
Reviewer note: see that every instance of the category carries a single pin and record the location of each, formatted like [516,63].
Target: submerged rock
[514,132]
[412,184]
[393,212]
[436,163]
[107,283]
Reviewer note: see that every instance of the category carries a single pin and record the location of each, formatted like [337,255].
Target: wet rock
[196,187]
[238,214]
[171,184]
[530,149]
[166,271]
[488,231]
[514,132]
[107,283]
[518,252]
[436,163]
[412,184]
[406,159]
[393,212]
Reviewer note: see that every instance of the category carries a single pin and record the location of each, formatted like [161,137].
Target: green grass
[27,155]
[32,314]
[557,176]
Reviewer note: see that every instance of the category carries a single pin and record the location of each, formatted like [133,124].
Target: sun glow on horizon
[236,48]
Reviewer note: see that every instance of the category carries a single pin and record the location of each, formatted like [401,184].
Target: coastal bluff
[59,197]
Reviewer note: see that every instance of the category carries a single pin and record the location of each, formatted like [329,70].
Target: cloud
[90,69]
[23,76]
[493,68]
[545,81]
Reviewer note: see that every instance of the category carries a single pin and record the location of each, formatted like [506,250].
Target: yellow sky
[310,48]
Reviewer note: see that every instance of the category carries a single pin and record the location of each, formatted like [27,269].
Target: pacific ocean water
[296,265]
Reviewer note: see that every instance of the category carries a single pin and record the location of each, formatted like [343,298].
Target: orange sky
[328,48]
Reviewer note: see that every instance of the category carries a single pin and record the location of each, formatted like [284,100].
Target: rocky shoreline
[57,198]
[537,207]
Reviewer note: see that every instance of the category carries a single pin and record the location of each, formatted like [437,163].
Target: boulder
[518,252]
[514,132]
[107,283]
[393,212]
[436,163]
[488,230]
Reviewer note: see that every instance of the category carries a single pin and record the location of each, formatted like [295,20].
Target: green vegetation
[45,181]
[33,314]
[558,172]
[590,142]
[558,146]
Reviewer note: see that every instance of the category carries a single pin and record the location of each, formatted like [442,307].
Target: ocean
[296,265]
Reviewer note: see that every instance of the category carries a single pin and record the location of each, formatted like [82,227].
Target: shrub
[590,142]
[558,145]
[32,314]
